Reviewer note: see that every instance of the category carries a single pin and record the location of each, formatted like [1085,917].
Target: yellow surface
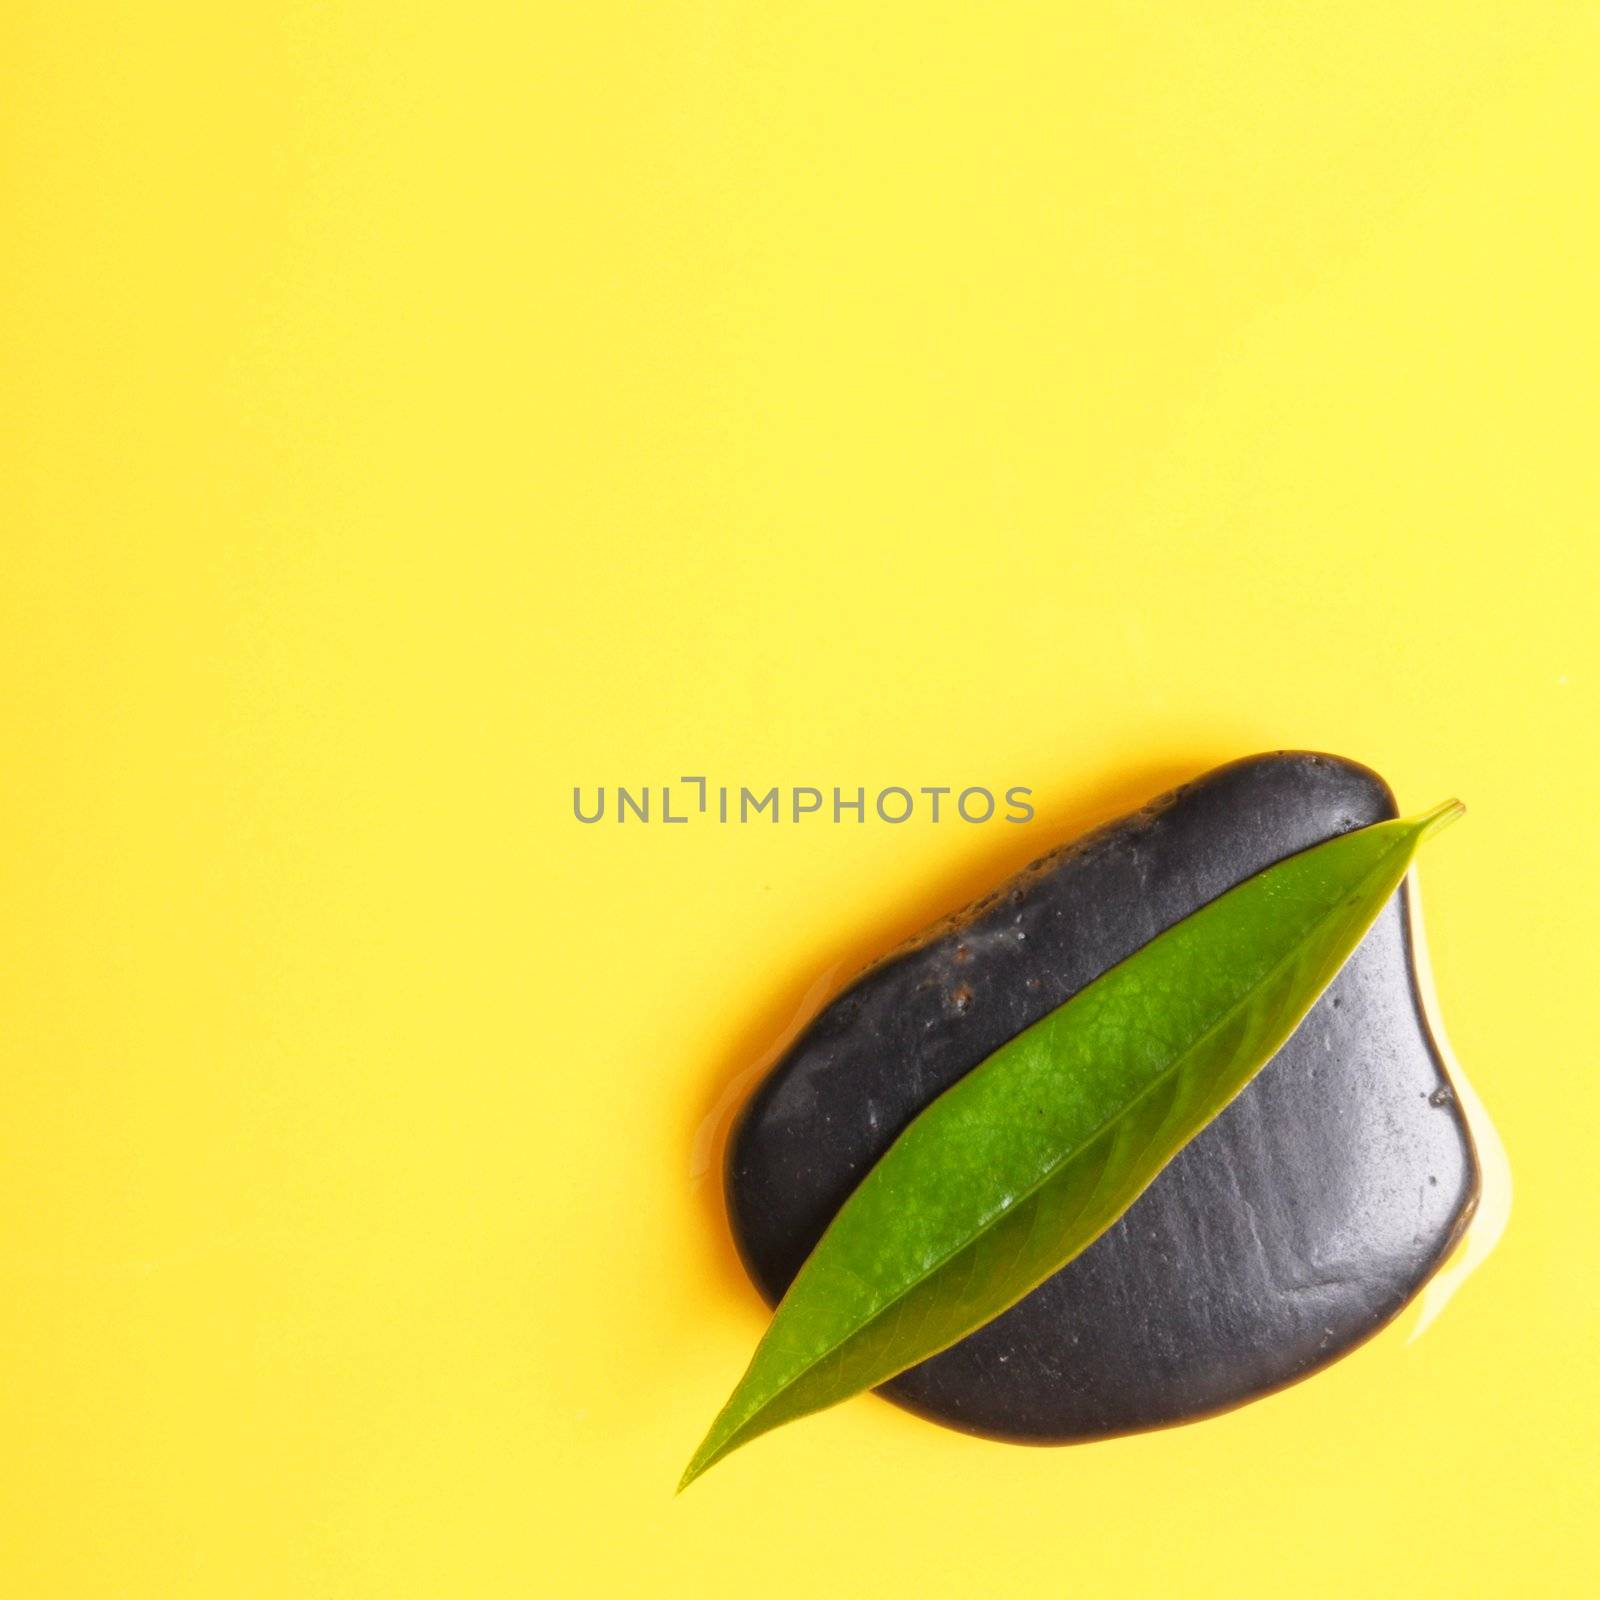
[413,411]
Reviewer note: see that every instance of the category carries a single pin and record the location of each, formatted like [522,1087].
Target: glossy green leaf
[1033,1154]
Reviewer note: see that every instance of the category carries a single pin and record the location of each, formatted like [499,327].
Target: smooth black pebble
[1289,1230]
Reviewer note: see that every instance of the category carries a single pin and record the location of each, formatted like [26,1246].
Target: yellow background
[411,411]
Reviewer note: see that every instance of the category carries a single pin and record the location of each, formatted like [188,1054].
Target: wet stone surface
[1293,1227]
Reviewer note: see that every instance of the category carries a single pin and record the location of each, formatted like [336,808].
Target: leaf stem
[1438,818]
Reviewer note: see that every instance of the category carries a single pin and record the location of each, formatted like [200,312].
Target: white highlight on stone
[1494,1168]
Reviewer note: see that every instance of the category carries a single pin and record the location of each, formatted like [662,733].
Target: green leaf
[1033,1154]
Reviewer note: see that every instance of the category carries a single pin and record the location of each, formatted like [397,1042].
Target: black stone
[1289,1230]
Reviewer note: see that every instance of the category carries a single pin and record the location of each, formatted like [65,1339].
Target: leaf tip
[712,1449]
[698,1464]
